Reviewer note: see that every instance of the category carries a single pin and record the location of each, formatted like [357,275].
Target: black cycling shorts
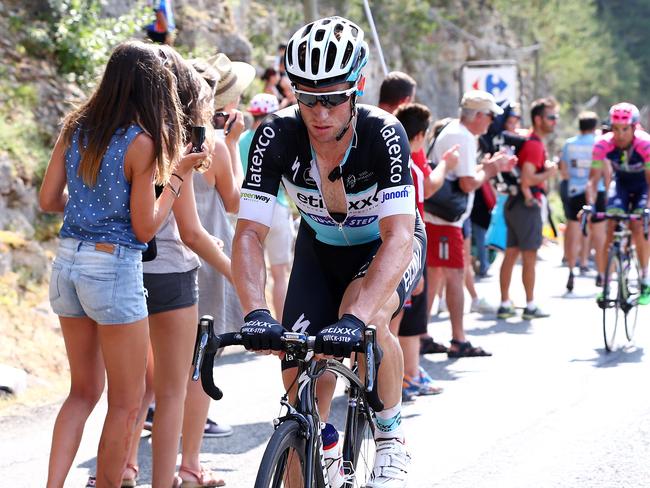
[576,202]
[416,316]
[321,273]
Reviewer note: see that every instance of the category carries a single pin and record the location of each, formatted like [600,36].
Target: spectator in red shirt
[523,212]
[412,321]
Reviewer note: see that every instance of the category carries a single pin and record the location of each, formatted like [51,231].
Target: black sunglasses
[552,117]
[327,99]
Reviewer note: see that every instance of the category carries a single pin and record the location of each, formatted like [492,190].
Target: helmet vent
[315,60]
[302,54]
[331,57]
[355,31]
[338,29]
[349,49]
[289,52]
[320,35]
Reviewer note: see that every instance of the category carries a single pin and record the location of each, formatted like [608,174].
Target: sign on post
[500,78]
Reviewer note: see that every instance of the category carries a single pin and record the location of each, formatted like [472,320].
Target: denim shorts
[101,281]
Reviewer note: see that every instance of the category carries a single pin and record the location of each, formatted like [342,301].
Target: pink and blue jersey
[629,165]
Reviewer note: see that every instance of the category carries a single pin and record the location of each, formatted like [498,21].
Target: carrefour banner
[500,78]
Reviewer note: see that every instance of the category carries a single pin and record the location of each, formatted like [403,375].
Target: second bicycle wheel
[283,462]
[610,299]
[358,467]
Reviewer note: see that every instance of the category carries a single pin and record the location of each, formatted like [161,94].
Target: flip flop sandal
[131,482]
[203,479]
[466,350]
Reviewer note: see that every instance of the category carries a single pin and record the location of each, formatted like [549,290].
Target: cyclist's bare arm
[595,174]
[387,267]
[249,270]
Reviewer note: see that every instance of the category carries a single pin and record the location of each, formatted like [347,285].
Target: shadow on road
[516,325]
[604,359]
[246,437]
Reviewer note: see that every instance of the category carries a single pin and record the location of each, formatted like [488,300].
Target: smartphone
[198,138]
[219,120]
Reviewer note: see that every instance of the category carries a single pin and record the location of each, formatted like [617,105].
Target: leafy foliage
[580,57]
[81,38]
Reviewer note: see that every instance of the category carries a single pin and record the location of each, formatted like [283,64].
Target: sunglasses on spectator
[326,99]
[552,116]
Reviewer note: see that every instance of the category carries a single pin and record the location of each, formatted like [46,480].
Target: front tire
[612,294]
[285,448]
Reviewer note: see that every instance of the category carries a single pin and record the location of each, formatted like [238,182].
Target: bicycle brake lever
[205,327]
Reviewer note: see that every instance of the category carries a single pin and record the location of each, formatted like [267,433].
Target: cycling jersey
[626,163]
[577,155]
[375,174]
[629,190]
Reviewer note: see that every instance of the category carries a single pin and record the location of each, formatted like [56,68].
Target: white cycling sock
[389,423]
[530,305]
[506,304]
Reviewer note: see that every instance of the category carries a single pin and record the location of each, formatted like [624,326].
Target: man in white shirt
[445,260]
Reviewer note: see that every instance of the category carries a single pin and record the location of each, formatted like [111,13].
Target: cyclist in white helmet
[360,246]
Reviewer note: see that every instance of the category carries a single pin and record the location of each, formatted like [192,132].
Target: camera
[219,120]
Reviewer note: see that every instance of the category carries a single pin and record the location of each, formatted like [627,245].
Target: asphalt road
[550,409]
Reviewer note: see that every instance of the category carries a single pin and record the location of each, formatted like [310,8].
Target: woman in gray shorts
[172,296]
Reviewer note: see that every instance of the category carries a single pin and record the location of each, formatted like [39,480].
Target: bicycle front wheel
[632,288]
[283,462]
[610,302]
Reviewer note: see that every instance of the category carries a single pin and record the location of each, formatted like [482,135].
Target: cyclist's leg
[124,348]
[86,386]
[572,233]
[311,304]
[639,203]
[597,232]
[391,371]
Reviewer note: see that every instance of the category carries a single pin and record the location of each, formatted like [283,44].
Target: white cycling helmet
[263,104]
[326,52]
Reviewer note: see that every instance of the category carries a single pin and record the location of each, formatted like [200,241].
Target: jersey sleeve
[599,152]
[642,147]
[395,190]
[264,172]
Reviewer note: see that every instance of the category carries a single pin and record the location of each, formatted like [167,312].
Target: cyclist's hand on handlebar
[340,339]
[261,331]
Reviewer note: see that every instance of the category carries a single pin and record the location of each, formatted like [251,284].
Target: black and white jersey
[375,174]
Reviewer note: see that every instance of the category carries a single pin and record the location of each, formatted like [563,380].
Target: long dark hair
[194,93]
[137,88]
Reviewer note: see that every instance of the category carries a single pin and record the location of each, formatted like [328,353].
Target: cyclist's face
[623,134]
[324,124]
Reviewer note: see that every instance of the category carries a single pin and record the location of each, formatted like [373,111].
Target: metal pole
[310,10]
[366,7]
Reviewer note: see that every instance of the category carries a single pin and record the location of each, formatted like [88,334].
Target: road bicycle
[296,443]
[622,280]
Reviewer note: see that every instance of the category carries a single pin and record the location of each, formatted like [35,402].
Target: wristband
[177,193]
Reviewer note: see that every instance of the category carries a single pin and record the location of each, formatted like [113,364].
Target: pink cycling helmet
[624,113]
[263,104]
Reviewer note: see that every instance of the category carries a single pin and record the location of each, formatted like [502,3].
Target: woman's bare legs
[142,414]
[124,348]
[172,339]
[86,387]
